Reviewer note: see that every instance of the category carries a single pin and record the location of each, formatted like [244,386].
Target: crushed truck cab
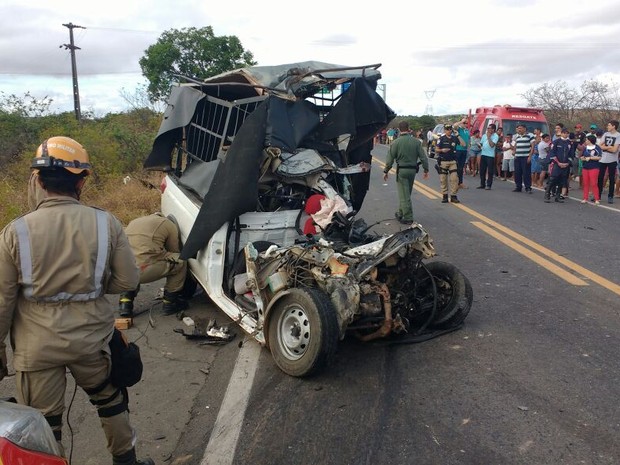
[266,168]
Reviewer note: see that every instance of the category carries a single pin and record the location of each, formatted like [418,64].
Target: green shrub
[117,145]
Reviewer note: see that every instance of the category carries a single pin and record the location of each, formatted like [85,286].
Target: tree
[592,102]
[426,121]
[20,122]
[415,122]
[191,52]
[140,99]
[26,106]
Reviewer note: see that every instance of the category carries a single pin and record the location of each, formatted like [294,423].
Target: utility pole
[72,48]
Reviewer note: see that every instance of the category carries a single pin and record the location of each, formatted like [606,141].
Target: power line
[118,29]
[62,74]
[525,46]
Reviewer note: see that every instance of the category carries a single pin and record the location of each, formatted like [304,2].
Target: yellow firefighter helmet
[62,152]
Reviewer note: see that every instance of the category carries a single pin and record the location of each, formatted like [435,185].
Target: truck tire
[303,332]
[454,294]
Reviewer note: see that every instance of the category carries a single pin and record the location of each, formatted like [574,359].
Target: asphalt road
[532,378]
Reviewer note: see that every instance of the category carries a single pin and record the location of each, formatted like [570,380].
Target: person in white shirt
[544,146]
[429,140]
[508,157]
[609,160]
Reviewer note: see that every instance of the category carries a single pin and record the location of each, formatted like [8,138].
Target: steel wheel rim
[294,332]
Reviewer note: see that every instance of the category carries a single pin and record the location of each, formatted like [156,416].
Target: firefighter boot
[454,199]
[125,304]
[129,458]
[173,303]
[444,199]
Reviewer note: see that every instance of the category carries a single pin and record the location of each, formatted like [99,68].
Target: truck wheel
[454,293]
[303,332]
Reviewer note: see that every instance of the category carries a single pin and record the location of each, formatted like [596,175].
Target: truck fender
[267,313]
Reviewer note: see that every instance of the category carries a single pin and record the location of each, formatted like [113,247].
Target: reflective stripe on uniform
[25,258]
[102,250]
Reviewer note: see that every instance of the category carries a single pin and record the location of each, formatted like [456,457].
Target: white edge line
[223,441]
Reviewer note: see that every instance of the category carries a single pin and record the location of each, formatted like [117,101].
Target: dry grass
[13,191]
[13,199]
[138,197]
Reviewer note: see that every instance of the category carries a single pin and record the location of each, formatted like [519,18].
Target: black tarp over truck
[223,125]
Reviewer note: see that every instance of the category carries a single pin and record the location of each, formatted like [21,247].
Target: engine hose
[434,310]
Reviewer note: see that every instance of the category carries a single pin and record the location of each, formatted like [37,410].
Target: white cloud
[480,53]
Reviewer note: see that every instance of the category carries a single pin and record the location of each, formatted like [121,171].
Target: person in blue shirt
[487,157]
[461,150]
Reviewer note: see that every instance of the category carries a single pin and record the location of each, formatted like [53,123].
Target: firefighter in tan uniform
[154,240]
[57,265]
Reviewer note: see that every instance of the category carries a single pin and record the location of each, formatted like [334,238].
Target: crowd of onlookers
[549,161]
[587,157]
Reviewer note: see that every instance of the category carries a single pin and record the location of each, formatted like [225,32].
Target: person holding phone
[487,157]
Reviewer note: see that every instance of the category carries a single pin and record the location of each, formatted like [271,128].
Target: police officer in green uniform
[408,154]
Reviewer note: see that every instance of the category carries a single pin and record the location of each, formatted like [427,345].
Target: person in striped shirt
[523,159]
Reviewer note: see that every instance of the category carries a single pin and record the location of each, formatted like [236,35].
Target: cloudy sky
[446,56]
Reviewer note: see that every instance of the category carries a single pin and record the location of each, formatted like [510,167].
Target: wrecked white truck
[266,168]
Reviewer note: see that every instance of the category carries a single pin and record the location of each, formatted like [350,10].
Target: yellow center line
[596,278]
[429,191]
[609,285]
[420,188]
[546,264]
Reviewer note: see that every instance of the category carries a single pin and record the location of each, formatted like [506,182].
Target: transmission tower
[429,96]
[382,87]
[72,48]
